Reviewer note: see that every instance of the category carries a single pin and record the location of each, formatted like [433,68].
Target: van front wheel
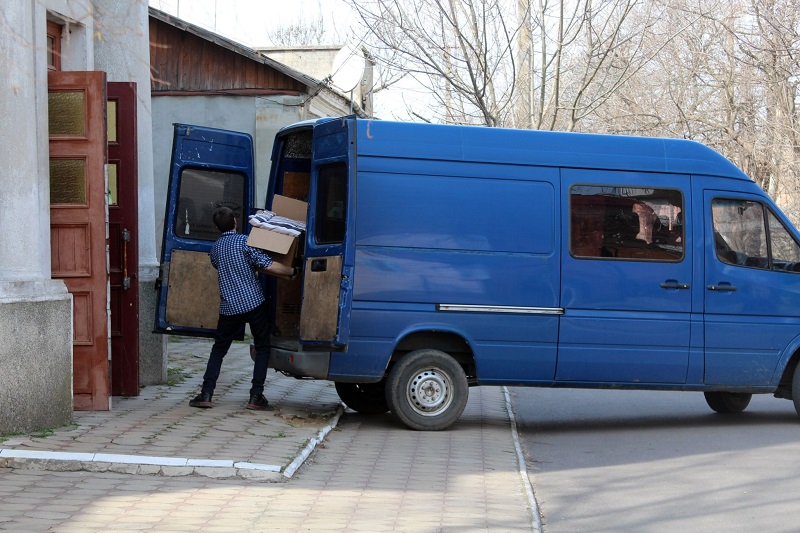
[427,390]
[796,389]
[364,398]
[728,402]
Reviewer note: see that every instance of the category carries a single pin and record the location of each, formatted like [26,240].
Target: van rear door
[328,268]
[210,168]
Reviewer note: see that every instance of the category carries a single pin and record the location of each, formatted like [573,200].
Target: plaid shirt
[237,265]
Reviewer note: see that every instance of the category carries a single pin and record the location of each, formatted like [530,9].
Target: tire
[365,398]
[796,389]
[427,390]
[728,402]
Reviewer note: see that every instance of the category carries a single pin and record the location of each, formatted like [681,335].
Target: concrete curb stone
[157,433]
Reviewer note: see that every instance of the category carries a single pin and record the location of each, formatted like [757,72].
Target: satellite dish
[348,69]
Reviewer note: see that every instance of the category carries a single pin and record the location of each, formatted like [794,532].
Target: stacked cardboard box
[282,248]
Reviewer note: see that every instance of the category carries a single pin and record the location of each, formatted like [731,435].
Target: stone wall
[35,356]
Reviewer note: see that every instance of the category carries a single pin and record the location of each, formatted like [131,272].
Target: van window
[331,212]
[630,223]
[200,193]
[744,236]
[783,247]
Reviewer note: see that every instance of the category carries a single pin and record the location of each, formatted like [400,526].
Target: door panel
[187,305]
[210,168]
[328,273]
[78,224]
[123,225]
[321,303]
[627,274]
[751,289]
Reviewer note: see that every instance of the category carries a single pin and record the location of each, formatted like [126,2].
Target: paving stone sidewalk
[158,433]
[374,475]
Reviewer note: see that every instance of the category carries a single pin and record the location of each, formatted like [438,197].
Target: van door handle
[672,284]
[723,287]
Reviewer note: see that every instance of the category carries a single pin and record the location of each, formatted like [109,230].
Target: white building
[84,155]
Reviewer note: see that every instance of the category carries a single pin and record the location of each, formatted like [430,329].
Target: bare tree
[461,51]
[723,72]
[510,62]
[301,33]
[772,50]
[729,79]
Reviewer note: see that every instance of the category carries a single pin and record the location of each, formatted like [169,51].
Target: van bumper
[298,363]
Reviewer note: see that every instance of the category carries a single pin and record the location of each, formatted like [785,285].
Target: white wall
[35,311]
[123,53]
[24,164]
[122,50]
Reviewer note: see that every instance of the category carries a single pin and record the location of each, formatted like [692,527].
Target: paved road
[659,461]
[370,474]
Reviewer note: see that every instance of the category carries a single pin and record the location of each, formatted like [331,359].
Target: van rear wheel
[365,398]
[728,402]
[427,390]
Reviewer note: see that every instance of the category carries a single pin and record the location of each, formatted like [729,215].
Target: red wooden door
[77,128]
[123,247]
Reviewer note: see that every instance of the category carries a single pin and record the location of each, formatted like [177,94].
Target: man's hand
[281,271]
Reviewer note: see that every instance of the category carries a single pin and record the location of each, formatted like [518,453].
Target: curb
[533,505]
[161,466]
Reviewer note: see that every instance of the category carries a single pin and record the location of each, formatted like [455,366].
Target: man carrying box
[241,301]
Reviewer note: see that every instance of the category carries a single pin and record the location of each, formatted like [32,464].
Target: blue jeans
[228,328]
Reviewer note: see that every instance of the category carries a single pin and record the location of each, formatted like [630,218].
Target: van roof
[477,144]
[541,148]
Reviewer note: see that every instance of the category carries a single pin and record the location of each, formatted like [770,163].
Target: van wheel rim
[429,392]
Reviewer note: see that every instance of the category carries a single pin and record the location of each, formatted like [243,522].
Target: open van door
[210,168]
[329,256]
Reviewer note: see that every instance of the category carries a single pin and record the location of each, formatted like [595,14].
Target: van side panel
[480,235]
[457,213]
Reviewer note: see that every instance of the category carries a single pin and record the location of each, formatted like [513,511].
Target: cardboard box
[284,249]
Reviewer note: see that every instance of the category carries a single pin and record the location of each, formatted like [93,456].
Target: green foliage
[176,375]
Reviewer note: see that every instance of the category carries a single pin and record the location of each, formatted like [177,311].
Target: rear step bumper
[299,363]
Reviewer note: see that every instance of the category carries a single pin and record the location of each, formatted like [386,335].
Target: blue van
[442,257]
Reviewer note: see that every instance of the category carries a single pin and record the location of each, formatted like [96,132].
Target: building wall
[35,311]
[261,117]
[35,356]
[124,54]
[36,324]
[183,61]
[316,61]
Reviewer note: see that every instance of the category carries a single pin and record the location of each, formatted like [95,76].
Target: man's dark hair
[224,219]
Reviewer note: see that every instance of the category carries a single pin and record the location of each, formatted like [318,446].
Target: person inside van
[647,219]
